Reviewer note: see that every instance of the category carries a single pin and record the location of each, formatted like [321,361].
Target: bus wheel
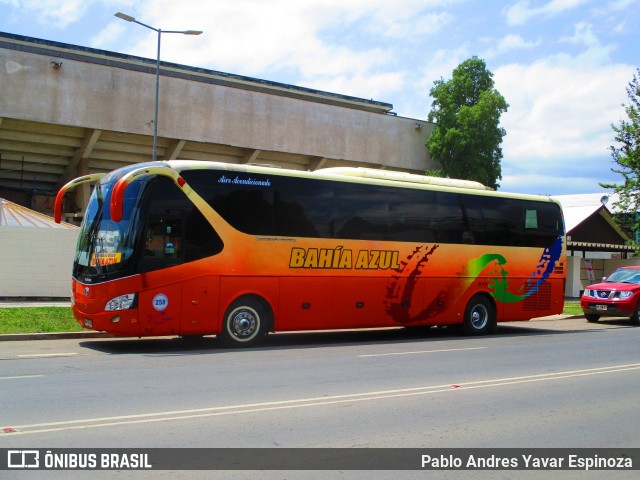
[479,316]
[246,322]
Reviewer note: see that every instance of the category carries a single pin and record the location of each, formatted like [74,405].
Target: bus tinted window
[248,209]
[412,216]
[447,210]
[245,201]
[361,211]
[494,220]
[260,204]
[303,208]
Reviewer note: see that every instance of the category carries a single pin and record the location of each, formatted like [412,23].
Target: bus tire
[479,316]
[245,323]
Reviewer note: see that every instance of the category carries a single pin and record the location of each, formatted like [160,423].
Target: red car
[617,296]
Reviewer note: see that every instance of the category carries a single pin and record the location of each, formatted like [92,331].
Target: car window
[625,275]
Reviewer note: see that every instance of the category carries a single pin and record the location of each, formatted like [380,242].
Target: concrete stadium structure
[67,111]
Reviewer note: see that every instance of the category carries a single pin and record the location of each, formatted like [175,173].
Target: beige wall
[36,262]
[105,97]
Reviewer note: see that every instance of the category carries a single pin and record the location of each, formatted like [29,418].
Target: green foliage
[37,320]
[467,136]
[435,173]
[626,155]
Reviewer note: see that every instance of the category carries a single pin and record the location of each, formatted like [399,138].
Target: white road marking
[420,351]
[43,355]
[18,377]
[306,402]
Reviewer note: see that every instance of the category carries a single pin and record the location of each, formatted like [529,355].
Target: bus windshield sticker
[102,259]
[244,181]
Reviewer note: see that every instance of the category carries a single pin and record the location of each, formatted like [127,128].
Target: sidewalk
[34,303]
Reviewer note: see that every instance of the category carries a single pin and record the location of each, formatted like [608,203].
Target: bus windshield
[105,248]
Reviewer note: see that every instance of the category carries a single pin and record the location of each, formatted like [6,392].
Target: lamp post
[129,18]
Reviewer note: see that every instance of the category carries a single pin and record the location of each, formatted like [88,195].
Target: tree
[467,136]
[626,155]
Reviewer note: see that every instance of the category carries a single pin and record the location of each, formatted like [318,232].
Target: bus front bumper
[122,323]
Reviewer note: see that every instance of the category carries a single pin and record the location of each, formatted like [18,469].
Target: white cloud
[583,35]
[106,35]
[560,115]
[552,181]
[57,13]
[442,64]
[510,43]
[619,4]
[427,24]
[620,28]
[559,111]
[521,12]
[375,84]
[559,119]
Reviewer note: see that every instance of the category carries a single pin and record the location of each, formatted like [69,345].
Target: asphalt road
[561,383]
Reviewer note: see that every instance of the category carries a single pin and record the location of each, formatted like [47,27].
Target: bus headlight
[122,302]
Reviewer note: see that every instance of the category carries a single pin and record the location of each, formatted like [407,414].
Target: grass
[37,320]
[60,319]
[572,307]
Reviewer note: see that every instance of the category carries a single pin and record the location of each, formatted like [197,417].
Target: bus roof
[358,175]
[402,177]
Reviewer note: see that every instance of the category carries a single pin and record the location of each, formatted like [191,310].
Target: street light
[129,18]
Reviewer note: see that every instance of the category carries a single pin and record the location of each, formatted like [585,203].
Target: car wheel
[245,323]
[592,317]
[479,316]
[635,318]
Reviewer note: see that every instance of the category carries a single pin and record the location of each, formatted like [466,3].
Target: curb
[53,336]
[558,317]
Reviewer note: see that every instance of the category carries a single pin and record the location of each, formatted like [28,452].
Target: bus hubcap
[479,317]
[243,323]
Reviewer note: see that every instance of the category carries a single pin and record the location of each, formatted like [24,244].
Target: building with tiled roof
[36,253]
[594,239]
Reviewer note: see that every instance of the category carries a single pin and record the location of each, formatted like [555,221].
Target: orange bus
[193,248]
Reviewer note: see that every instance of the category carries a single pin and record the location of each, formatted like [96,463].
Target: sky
[562,65]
